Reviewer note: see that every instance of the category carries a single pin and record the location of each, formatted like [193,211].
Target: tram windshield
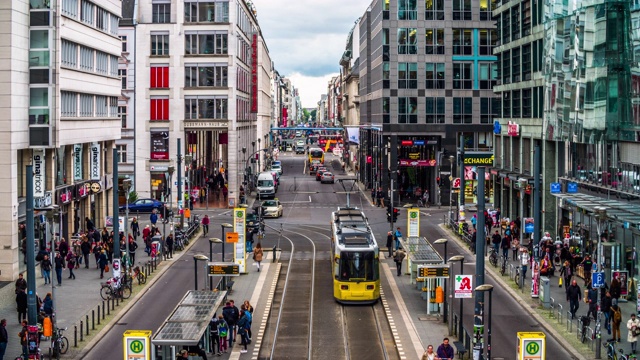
[358,265]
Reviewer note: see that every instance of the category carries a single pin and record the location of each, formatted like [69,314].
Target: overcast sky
[306,39]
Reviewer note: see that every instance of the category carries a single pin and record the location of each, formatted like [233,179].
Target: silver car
[327,177]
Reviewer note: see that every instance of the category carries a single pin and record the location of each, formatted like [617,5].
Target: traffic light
[438,180]
[395,214]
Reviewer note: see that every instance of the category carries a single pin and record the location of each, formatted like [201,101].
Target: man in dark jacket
[21,301]
[495,240]
[505,245]
[85,247]
[89,224]
[169,243]
[574,295]
[592,297]
[390,243]
[4,337]
[445,351]
[606,309]
[133,246]
[231,319]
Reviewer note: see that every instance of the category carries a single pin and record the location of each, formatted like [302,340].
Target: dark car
[319,173]
[144,205]
[252,221]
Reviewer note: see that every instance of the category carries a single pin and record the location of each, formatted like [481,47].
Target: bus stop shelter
[420,252]
[187,325]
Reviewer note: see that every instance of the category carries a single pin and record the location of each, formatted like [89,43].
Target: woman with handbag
[257,255]
[633,324]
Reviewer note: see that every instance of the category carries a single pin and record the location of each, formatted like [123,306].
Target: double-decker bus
[316,154]
[328,142]
[355,258]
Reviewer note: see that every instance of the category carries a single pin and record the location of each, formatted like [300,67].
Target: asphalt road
[306,201]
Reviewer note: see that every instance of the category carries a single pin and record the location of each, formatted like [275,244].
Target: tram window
[358,265]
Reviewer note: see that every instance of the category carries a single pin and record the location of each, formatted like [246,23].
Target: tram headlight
[344,287]
[370,287]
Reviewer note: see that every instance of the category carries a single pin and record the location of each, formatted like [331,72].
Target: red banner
[254,74]
[409,162]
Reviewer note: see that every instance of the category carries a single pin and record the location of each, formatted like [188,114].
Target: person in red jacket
[205,224]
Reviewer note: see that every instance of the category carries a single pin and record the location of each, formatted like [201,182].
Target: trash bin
[545,292]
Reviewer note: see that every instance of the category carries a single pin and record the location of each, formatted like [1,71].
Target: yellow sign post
[239,227]
[137,344]
[413,222]
[531,346]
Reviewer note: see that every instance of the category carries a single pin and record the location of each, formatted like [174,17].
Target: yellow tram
[355,258]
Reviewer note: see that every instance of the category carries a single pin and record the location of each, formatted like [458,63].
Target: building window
[102,107]
[206,12]
[488,38]
[206,76]
[122,73]
[159,108]
[103,18]
[462,42]
[434,10]
[159,78]
[206,44]
[123,40]
[385,75]
[407,110]
[69,54]
[113,106]
[161,13]
[434,110]
[113,65]
[407,75]
[407,41]
[385,10]
[87,10]
[515,103]
[434,76]
[461,9]
[122,153]
[407,10]
[485,9]
[526,103]
[205,107]
[102,62]
[462,78]
[515,64]
[462,110]
[435,41]
[506,104]
[68,104]
[506,67]
[489,110]
[488,73]
[386,110]
[526,62]
[86,105]
[122,114]
[159,45]
[70,8]
[86,58]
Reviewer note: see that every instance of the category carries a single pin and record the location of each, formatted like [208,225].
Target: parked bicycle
[138,274]
[610,346]
[503,269]
[584,321]
[60,343]
[629,356]
[493,257]
[115,288]
[516,278]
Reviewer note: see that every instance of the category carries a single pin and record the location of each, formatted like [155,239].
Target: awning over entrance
[619,211]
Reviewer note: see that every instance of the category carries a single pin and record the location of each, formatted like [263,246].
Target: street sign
[456,183]
[597,279]
[463,286]
[531,346]
[137,344]
[224,268]
[433,272]
[231,237]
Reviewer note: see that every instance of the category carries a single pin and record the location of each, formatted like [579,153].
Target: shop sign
[406,143]
[622,277]
[95,161]
[497,128]
[414,156]
[95,187]
[65,195]
[418,143]
[369,159]
[38,161]
[528,225]
[77,162]
[254,74]
[82,191]
[43,202]
[513,129]
[157,168]
[159,145]
[409,162]
[478,158]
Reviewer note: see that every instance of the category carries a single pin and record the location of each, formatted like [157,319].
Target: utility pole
[179,192]
[116,208]
[32,307]
[478,318]
[462,179]
[537,200]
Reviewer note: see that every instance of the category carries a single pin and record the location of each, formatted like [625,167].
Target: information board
[224,269]
[413,222]
[239,248]
[433,272]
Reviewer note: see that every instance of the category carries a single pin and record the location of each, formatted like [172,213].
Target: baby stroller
[33,343]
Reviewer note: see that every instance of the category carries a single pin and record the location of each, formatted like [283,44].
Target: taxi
[272,208]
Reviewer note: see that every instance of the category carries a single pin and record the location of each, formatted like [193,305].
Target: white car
[272,208]
[277,168]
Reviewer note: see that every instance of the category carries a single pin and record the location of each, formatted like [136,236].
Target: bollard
[87,318]
[93,319]
[75,335]
[117,301]
[98,314]
[81,327]
[274,253]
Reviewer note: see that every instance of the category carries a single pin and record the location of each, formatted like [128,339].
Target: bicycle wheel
[126,292]
[105,292]
[517,279]
[63,345]
[493,260]
[583,336]
[142,279]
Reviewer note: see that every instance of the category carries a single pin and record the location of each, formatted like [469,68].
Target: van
[265,185]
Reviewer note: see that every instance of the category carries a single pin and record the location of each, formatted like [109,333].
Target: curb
[497,278]
[90,345]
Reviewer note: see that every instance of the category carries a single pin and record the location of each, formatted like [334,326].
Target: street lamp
[444,241]
[451,162]
[211,242]
[195,261]
[489,288]
[170,170]
[259,156]
[601,215]
[460,258]
[224,226]
[126,186]
[522,183]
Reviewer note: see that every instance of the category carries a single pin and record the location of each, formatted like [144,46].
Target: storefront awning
[619,211]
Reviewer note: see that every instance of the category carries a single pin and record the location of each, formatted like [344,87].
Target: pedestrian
[231,318]
[182,355]
[605,307]
[574,295]
[247,306]
[169,243]
[135,228]
[153,218]
[85,248]
[21,284]
[21,302]
[445,351]
[243,324]
[58,266]
[133,246]
[429,354]
[203,194]
[4,337]
[496,239]
[45,266]
[587,265]
[524,262]
[616,319]
[397,258]
[515,245]
[505,244]
[89,224]
[71,264]
[474,221]
[97,250]
[23,339]
[205,224]
[633,324]
[397,236]
[615,288]
[258,254]
[390,243]
[223,332]
[592,299]
[214,335]
[566,273]
[103,260]
[47,304]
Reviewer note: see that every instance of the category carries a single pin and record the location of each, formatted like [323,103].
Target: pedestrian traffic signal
[395,214]
[438,180]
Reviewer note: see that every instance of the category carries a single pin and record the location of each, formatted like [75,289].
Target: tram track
[361,339]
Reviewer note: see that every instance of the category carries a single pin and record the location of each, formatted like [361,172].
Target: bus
[316,154]
[355,258]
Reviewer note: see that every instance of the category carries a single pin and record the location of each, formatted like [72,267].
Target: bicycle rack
[579,329]
[569,322]
[560,308]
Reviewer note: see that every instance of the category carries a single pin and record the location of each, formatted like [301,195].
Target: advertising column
[239,227]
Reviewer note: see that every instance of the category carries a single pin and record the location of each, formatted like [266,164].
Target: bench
[460,349]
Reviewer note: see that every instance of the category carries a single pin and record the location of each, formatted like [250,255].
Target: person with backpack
[223,332]
[231,319]
[214,335]
[616,319]
[243,324]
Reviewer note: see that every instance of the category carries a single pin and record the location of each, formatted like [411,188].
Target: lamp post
[126,186]
[170,170]
[522,183]
[461,259]
[259,156]
[197,257]
[451,162]
[211,242]
[601,214]
[444,241]
[188,159]
[487,288]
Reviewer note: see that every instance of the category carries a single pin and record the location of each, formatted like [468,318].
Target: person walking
[258,254]
[505,245]
[153,218]
[605,307]
[574,295]
[615,288]
[85,248]
[89,224]
[231,319]
[133,246]
[249,308]
[21,284]
[23,338]
[71,264]
[566,273]
[103,260]
[97,250]
[515,245]
[397,236]
[58,266]
[616,319]
[169,243]
[4,338]
[445,351]
[243,324]
[205,224]
[587,265]
[633,324]
[592,299]
[397,258]
[223,332]
[496,239]
[429,354]
[135,228]
[524,262]
[214,335]
[21,301]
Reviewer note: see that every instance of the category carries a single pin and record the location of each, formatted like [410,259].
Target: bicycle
[60,343]
[629,356]
[493,257]
[138,274]
[610,346]
[584,321]
[516,278]
[115,288]
[503,270]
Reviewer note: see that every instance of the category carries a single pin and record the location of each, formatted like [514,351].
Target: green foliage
[133,196]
